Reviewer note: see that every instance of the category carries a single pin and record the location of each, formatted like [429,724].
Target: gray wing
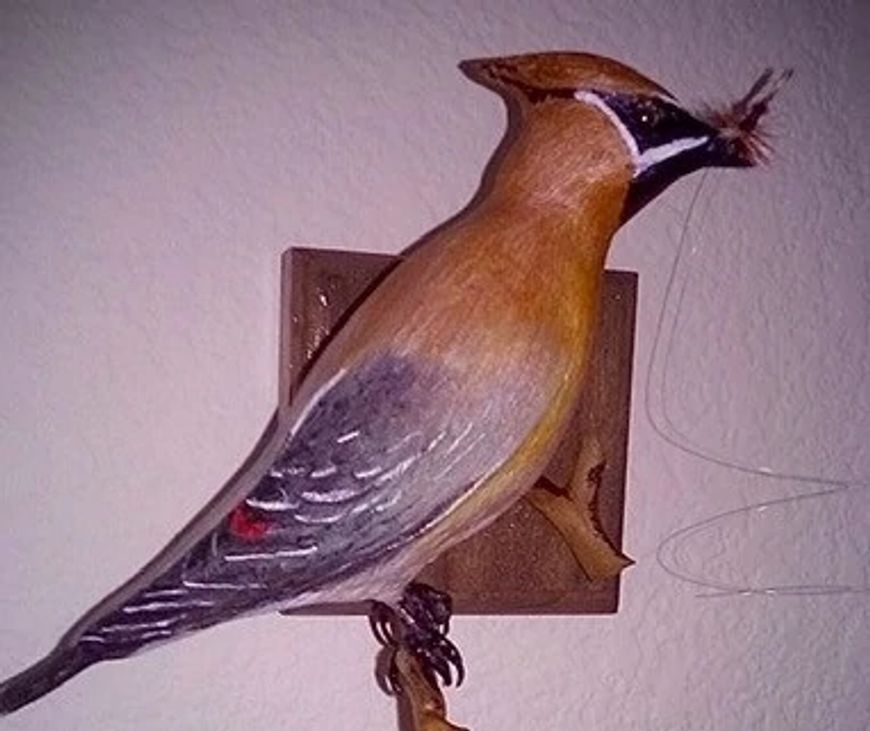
[376,459]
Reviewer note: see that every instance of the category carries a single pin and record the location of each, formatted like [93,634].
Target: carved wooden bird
[442,398]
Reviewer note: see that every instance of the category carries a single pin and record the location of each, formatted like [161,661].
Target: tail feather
[42,677]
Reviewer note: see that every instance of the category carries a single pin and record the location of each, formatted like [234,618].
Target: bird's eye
[649,114]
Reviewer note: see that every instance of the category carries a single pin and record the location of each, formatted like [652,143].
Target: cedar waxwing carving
[442,398]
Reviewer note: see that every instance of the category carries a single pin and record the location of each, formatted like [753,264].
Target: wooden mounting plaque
[519,565]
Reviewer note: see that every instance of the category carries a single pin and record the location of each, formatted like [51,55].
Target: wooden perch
[571,510]
[426,704]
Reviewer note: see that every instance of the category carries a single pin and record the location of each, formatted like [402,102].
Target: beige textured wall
[156,158]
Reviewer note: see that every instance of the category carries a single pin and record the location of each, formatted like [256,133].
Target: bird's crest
[558,71]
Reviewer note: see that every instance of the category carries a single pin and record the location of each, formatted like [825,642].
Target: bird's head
[577,95]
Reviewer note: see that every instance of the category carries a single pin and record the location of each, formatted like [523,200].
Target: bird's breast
[495,289]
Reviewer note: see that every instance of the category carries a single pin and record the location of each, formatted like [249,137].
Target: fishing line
[670,553]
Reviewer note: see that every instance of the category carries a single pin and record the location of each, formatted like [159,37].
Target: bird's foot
[419,624]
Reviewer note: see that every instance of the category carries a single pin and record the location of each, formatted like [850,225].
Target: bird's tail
[55,668]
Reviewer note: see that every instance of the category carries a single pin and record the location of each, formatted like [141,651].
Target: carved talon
[425,613]
[437,655]
[419,624]
[381,622]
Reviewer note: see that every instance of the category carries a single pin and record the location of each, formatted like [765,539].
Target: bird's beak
[733,139]
[725,152]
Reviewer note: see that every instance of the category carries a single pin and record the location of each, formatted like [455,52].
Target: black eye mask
[654,122]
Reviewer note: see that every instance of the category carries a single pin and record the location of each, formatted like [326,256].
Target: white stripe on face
[641,161]
[655,155]
[589,97]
